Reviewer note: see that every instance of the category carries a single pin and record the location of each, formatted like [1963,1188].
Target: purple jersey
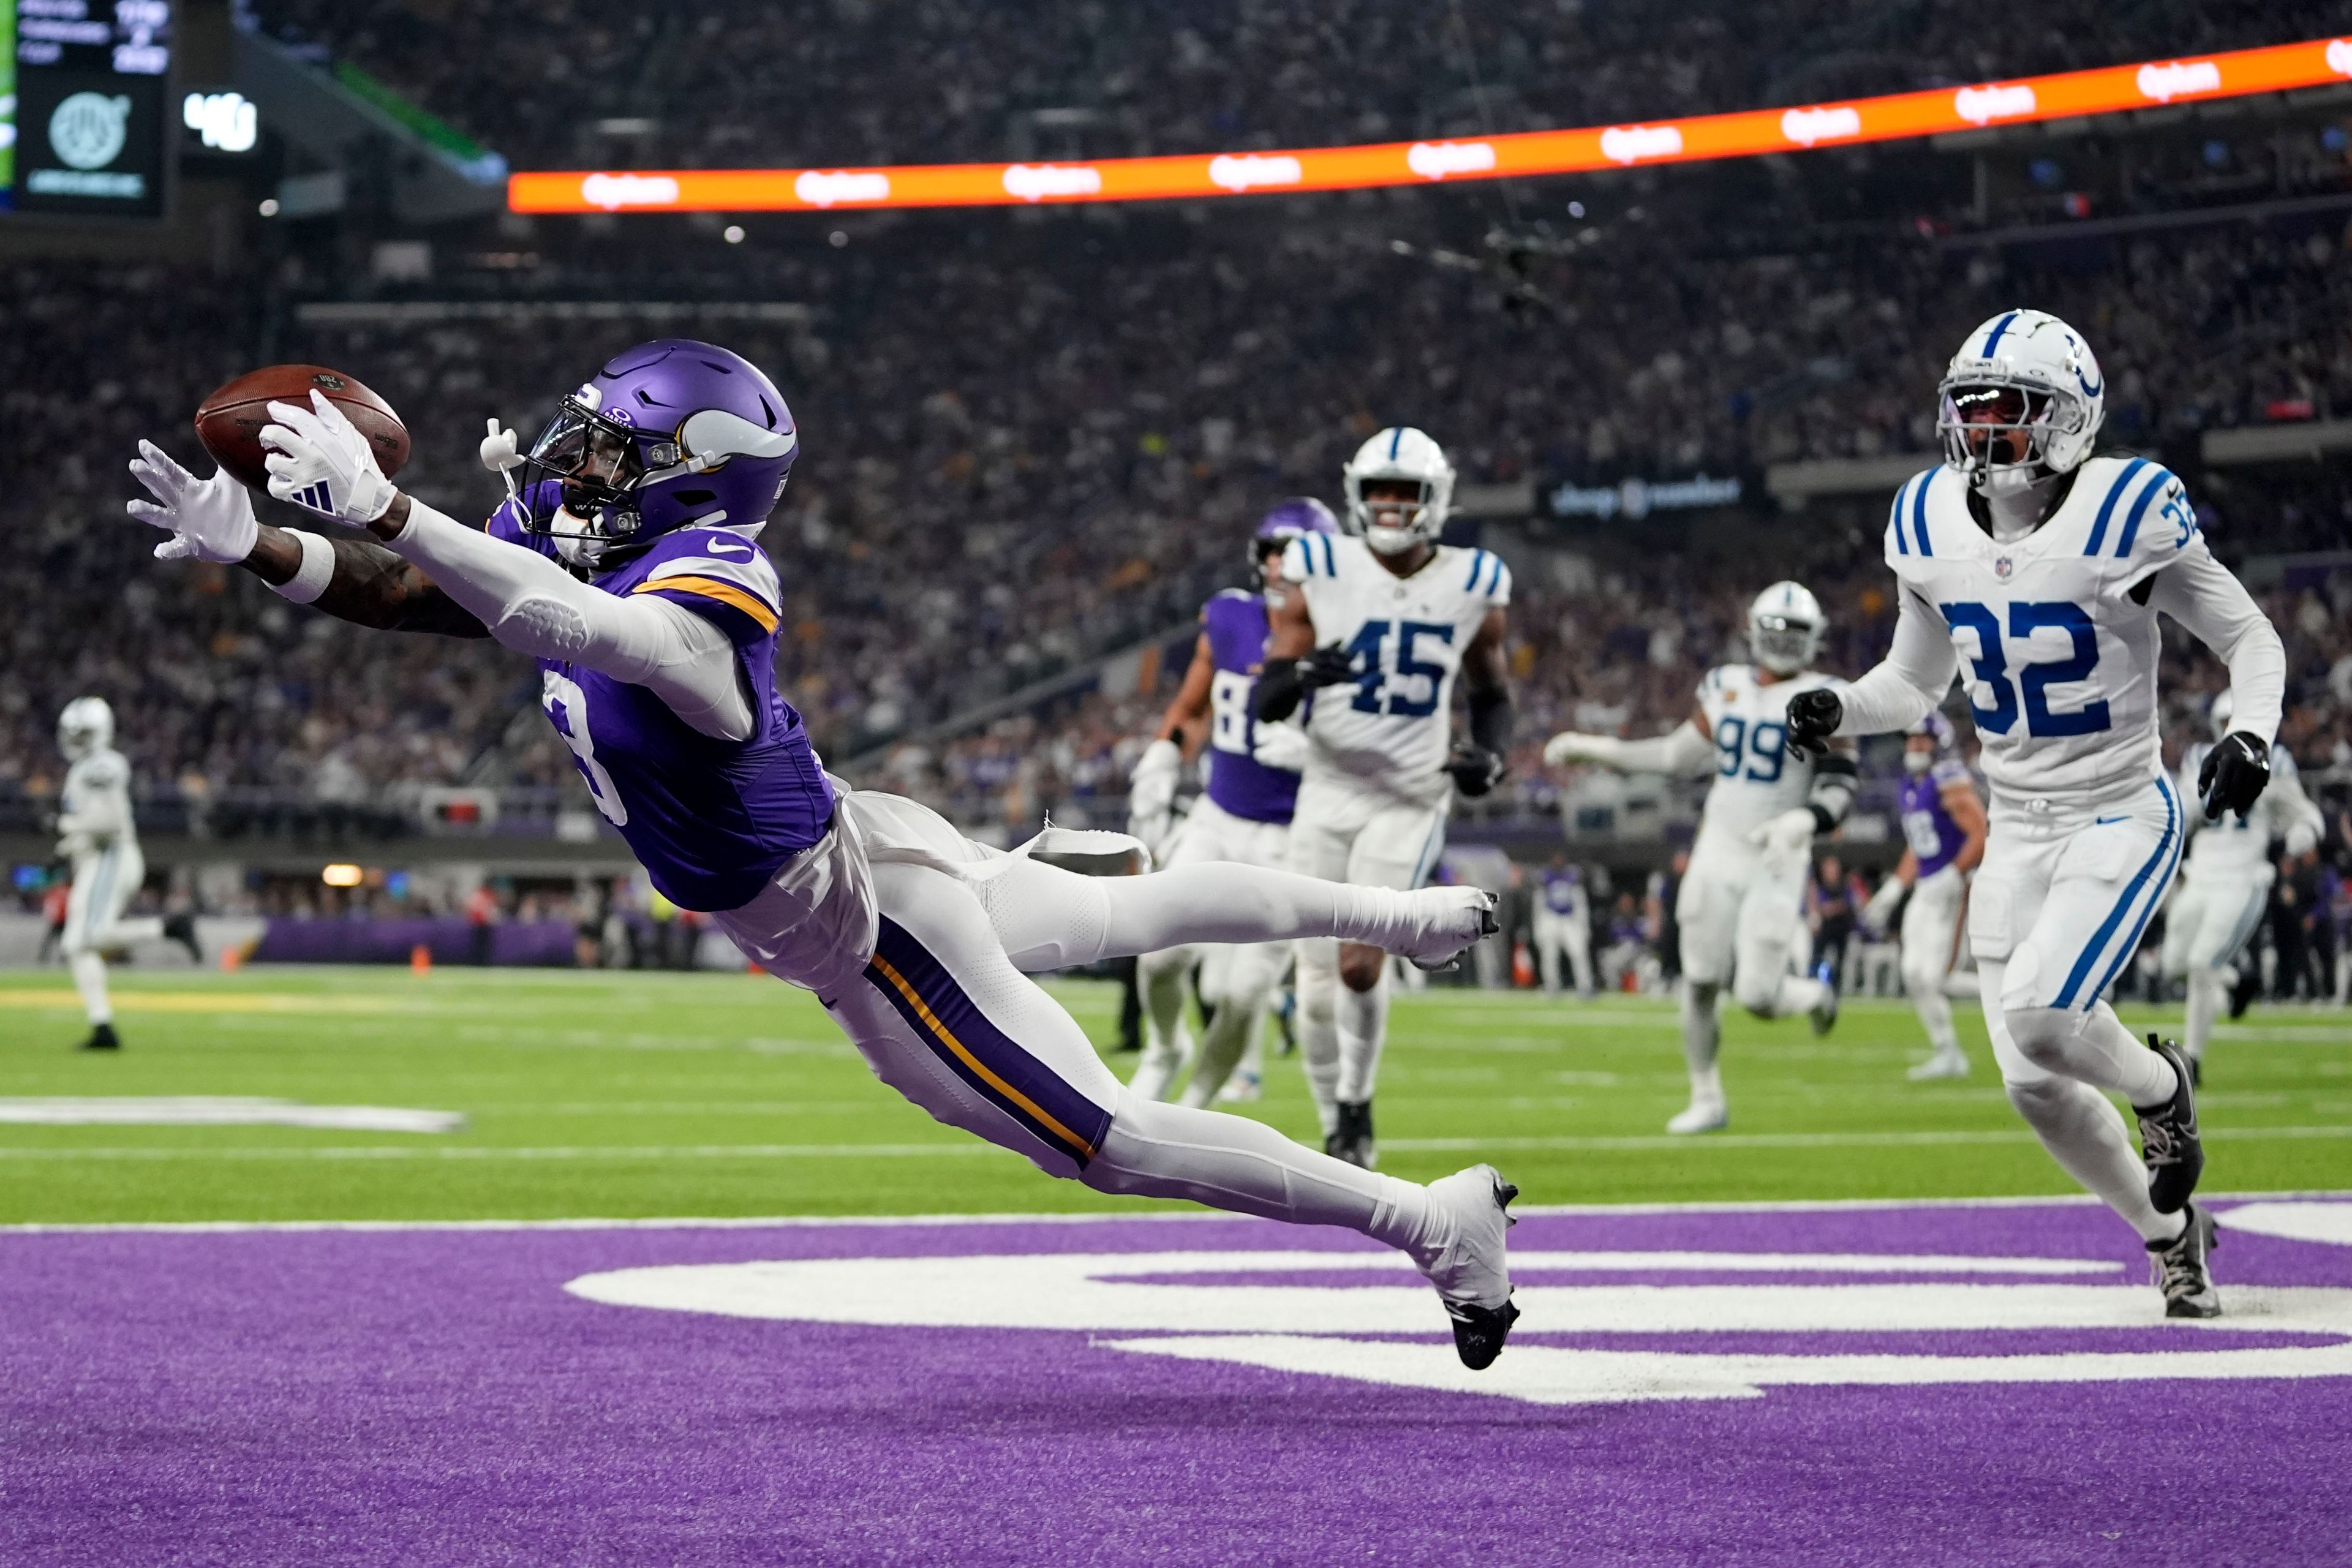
[1934,837]
[1234,623]
[710,820]
[1563,887]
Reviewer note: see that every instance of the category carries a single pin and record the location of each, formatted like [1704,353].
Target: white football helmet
[1403,453]
[2224,707]
[1784,629]
[87,725]
[2024,374]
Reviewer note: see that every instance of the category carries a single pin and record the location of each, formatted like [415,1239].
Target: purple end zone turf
[441,1397]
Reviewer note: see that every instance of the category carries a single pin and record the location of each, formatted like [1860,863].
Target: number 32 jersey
[1393,726]
[2058,655]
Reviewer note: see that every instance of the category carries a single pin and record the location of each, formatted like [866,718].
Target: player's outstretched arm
[212,520]
[1688,749]
[317,462]
[1895,695]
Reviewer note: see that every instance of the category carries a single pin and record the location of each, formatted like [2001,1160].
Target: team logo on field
[1669,1322]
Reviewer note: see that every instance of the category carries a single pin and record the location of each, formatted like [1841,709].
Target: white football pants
[104,883]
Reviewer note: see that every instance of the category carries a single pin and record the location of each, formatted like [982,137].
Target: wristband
[310,578]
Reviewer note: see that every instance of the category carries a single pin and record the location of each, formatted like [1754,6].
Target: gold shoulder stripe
[713,588]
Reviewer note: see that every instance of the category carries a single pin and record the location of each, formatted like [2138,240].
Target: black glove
[1813,718]
[2234,776]
[1328,666]
[1475,769]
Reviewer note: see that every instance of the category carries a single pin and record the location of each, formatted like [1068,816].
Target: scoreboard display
[86,130]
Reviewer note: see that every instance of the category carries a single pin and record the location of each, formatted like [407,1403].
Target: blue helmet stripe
[2139,510]
[1396,439]
[1920,513]
[2107,506]
[1992,338]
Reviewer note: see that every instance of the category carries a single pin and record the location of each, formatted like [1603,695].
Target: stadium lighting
[343,874]
[2107,90]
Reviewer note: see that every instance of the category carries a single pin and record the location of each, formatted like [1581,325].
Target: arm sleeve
[2201,594]
[1681,751]
[2299,822]
[1835,777]
[535,606]
[1913,677]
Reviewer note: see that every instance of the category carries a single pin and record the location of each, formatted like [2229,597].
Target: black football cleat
[2179,1268]
[2168,1143]
[101,1038]
[1351,1140]
[182,928]
[1479,1331]
[2249,985]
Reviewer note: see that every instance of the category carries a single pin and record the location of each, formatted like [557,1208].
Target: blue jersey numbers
[1995,699]
[1762,748]
[1407,688]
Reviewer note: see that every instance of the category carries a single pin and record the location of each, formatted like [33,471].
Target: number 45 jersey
[2057,644]
[1390,727]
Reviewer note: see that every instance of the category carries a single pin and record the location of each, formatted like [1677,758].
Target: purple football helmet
[670,434]
[1293,518]
[1938,727]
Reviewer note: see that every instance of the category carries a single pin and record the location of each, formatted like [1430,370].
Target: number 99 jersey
[2058,655]
[1392,724]
[1757,777]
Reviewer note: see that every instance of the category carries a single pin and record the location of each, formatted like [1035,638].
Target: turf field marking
[1121,1215]
[624,1151]
[218,1110]
[129,1001]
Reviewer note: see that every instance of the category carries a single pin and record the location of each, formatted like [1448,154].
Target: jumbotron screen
[83,106]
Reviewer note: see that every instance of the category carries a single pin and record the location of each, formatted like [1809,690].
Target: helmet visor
[580,479]
[1993,425]
[1782,644]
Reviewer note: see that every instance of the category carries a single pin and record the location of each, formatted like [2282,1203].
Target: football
[230,421]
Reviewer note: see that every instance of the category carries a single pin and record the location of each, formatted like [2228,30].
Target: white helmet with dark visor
[2021,401]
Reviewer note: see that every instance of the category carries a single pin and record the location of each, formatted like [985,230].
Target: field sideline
[622,1095]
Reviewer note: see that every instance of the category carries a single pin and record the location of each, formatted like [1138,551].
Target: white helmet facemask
[2020,403]
[1784,629]
[1399,456]
[86,726]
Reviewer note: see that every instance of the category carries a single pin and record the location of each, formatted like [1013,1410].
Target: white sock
[1316,985]
[1701,1028]
[1935,1010]
[1243,1166]
[2085,1135]
[2205,993]
[1228,1035]
[1363,1019]
[89,979]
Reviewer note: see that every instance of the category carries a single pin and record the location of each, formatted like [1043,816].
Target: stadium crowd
[614,86]
[958,527]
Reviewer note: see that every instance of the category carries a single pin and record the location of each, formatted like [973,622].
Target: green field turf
[619,1094]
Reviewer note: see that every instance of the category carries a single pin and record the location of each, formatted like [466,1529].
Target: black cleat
[1351,1140]
[1479,1331]
[2169,1144]
[2249,986]
[101,1038]
[2177,1267]
[182,928]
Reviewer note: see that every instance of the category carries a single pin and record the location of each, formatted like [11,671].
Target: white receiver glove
[1877,914]
[208,520]
[1283,746]
[322,464]
[1790,832]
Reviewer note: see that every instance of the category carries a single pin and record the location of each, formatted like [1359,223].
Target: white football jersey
[2059,659]
[97,798]
[1406,635]
[1757,777]
[2240,847]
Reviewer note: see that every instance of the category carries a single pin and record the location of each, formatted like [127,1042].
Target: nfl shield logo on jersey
[2000,567]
